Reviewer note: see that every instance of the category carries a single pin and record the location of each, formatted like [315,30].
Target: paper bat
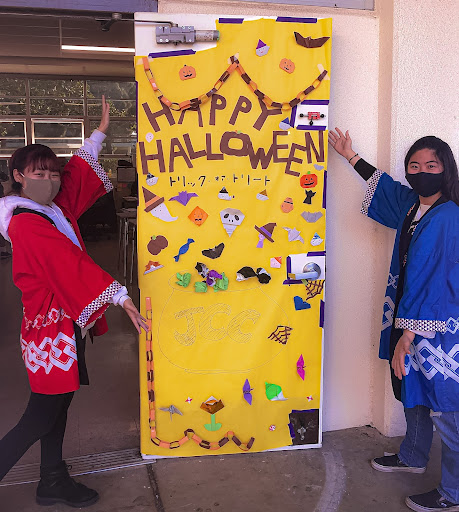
[309,42]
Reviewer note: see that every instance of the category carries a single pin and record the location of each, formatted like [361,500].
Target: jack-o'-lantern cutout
[187,72]
[308,180]
[287,205]
[157,244]
[198,216]
[287,65]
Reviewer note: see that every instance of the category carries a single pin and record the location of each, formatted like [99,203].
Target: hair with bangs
[36,156]
[450,187]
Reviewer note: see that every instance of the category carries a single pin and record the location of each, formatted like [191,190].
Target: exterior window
[61,136]
[12,136]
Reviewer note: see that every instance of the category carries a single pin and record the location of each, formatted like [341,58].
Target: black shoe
[430,502]
[392,464]
[56,486]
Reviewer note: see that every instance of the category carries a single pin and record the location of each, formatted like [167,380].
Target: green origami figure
[221,284]
[200,287]
[183,279]
[274,392]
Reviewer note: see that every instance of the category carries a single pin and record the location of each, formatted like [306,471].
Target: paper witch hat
[151,200]
[267,230]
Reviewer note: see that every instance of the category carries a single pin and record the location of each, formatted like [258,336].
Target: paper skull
[231,219]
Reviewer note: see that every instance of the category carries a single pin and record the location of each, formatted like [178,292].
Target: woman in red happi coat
[64,294]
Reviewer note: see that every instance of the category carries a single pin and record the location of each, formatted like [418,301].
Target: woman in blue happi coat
[420,331]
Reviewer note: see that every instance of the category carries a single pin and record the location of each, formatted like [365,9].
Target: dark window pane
[121,137]
[12,86]
[62,138]
[57,88]
[12,107]
[12,136]
[56,107]
[112,90]
[118,108]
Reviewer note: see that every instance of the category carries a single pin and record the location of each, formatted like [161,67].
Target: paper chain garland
[234,65]
[189,434]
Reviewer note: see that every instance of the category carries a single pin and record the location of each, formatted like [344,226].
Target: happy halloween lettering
[232,143]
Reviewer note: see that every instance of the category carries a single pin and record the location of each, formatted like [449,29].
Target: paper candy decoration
[223,194]
[198,216]
[231,219]
[316,240]
[171,410]
[151,266]
[311,216]
[184,249]
[155,205]
[276,262]
[183,197]
[263,195]
[247,391]
[300,367]
[294,235]
[214,253]
[262,48]
[151,180]
[274,392]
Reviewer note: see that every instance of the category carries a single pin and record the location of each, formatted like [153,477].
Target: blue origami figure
[184,249]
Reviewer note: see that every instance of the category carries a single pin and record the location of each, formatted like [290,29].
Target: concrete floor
[336,478]
[104,417]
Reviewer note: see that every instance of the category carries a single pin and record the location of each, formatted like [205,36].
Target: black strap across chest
[19,210]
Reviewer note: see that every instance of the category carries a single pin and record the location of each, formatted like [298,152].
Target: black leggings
[45,418]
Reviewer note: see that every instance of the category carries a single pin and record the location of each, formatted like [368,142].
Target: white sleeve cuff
[425,334]
[93,145]
[120,296]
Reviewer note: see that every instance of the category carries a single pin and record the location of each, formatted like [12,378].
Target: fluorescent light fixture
[111,49]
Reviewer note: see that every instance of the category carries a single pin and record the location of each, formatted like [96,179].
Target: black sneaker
[430,502]
[392,464]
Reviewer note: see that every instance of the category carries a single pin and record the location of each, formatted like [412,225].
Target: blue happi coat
[430,300]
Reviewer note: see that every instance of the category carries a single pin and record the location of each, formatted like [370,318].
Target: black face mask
[425,184]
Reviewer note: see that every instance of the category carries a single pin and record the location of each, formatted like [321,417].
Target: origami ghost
[155,205]
[262,48]
[151,180]
[231,219]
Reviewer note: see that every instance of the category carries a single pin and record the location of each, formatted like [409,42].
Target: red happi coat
[60,283]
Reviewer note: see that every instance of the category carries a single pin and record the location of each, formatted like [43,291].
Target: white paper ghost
[149,137]
[162,213]
[231,219]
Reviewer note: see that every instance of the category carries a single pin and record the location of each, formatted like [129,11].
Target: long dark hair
[37,156]
[450,188]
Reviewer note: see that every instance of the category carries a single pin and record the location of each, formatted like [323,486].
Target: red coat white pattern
[60,283]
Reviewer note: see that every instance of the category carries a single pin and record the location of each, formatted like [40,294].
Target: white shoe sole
[418,508]
[396,469]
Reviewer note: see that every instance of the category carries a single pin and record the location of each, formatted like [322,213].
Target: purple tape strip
[316,253]
[324,197]
[284,19]
[315,102]
[293,117]
[302,410]
[309,127]
[172,53]
[230,20]
[322,314]
[289,270]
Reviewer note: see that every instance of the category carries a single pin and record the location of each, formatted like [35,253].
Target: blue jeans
[415,448]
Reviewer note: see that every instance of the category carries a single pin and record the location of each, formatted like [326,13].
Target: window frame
[367,5]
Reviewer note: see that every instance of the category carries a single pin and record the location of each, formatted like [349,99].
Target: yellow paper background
[219,367]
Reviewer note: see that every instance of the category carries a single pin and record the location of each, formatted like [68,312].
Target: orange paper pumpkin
[198,216]
[187,72]
[287,65]
[308,180]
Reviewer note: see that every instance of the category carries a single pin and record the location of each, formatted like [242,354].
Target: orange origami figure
[287,65]
[198,216]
